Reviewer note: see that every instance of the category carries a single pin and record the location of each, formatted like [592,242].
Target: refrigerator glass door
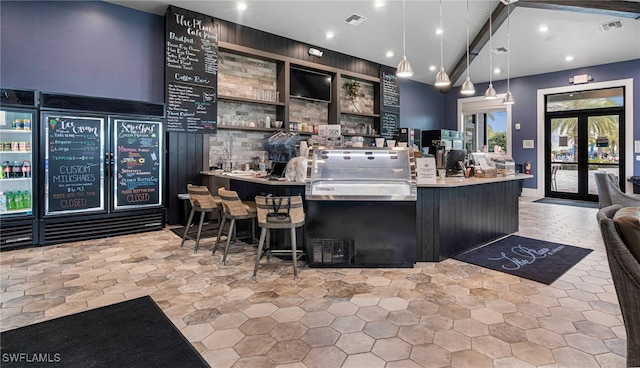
[16,160]
[138,166]
[74,163]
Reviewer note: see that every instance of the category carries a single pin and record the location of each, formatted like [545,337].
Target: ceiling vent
[355,19]
[500,50]
[615,24]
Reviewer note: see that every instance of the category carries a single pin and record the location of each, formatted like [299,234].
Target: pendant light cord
[490,46]
[441,35]
[404,26]
[508,44]
[467,38]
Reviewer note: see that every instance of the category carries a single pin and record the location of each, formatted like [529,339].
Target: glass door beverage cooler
[18,153]
[103,167]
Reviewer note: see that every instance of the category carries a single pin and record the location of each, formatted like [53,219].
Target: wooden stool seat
[202,202]
[233,209]
[278,213]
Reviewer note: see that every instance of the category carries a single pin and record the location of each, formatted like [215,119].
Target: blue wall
[421,106]
[524,111]
[82,47]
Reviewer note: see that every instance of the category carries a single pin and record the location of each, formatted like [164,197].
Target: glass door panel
[563,170]
[603,146]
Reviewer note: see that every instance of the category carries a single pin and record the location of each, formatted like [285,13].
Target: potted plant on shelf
[353,91]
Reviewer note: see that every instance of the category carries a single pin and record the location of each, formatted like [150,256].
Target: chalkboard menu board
[74,165]
[389,103]
[138,163]
[191,66]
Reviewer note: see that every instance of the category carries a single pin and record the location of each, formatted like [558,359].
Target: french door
[579,143]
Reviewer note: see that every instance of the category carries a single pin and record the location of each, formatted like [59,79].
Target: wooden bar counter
[452,216]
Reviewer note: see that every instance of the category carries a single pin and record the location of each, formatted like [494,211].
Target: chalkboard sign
[389,103]
[390,90]
[138,163]
[191,66]
[389,124]
[74,164]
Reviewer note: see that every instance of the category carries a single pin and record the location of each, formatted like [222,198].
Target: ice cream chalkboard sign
[191,68]
[138,159]
[74,164]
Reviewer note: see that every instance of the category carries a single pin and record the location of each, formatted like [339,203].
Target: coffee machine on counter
[439,142]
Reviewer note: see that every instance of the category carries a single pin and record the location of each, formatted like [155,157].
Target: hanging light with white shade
[404,69]
[442,78]
[467,86]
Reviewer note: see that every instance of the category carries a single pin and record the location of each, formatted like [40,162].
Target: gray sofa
[621,235]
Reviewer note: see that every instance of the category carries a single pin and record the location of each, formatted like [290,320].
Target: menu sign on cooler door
[191,65]
[74,164]
[138,163]
[389,103]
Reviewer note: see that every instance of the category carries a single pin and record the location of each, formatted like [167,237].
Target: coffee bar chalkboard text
[390,103]
[138,160]
[191,56]
[74,164]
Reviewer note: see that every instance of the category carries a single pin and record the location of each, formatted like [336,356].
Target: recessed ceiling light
[390,54]
[497,71]
[568,58]
[329,34]
[379,4]
[241,6]
[439,31]
[543,28]
[432,68]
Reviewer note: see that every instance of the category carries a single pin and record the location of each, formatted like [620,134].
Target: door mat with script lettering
[532,259]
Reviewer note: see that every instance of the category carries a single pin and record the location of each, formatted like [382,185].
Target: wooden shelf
[360,114]
[257,129]
[249,100]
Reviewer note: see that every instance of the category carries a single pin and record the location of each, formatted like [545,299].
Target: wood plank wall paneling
[453,220]
[256,39]
[185,161]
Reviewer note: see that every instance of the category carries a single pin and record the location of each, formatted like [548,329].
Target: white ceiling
[532,52]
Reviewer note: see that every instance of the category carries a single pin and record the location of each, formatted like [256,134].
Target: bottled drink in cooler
[26,169]
[3,202]
[17,199]
[16,171]
[6,167]
[26,199]
[11,204]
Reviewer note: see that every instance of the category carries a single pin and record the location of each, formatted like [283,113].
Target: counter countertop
[250,176]
[450,182]
[461,181]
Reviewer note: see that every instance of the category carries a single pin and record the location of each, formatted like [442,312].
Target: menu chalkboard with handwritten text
[138,163]
[389,103]
[191,66]
[74,164]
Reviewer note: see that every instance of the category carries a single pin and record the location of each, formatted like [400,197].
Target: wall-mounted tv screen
[309,84]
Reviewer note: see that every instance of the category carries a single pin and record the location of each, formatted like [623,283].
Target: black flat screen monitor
[310,85]
[278,170]
[455,162]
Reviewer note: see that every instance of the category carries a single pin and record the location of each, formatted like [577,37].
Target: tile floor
[447,314]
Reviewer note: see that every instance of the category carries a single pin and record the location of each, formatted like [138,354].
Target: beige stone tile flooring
[447,314]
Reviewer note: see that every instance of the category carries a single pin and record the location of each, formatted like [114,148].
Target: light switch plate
[637,146]
[637,157]
[517,126]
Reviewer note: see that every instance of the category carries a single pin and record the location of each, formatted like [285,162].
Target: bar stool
[202,202]
[234,209]
[278,213]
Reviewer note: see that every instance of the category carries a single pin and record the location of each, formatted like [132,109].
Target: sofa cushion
[627,220]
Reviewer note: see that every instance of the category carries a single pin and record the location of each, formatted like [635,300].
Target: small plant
[353,91]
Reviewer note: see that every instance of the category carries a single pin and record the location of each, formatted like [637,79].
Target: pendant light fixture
[404,69]
[442,78]
[508,99]
[490,93]
[467,86]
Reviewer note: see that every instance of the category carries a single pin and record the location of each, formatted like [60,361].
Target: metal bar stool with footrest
[202,202]
[234,209]
[278,213]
